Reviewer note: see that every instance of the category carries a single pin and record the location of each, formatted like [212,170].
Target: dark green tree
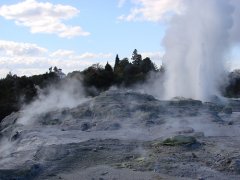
[108,68]
[136,58]
[117,61]
[147,65]
[55,69]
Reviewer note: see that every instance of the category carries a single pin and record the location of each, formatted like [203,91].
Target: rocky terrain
[124,135]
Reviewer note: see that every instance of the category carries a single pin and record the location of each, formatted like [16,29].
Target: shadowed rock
[180,140]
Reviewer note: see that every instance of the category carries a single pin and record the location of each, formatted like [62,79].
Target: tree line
[15,91]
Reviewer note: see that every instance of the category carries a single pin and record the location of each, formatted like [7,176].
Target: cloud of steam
[198,42]
[153,85]
[68,94]
[235,37]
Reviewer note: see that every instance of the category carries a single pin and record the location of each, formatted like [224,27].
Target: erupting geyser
[198,42]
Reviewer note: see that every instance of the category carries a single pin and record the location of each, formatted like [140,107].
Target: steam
[198,43]
[68,94]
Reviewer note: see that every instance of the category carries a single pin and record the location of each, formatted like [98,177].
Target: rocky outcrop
[123,130]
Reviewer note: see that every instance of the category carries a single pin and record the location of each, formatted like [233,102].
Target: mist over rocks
[120,129]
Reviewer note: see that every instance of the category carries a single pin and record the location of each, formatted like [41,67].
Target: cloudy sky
[70,34]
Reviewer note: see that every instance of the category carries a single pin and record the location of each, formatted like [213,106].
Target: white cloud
[121,3]
[156,57]
[4,72]
[29,59]
[153,55]
[11,48]
[43,17]
[61,53]
[92,56]
[153,10]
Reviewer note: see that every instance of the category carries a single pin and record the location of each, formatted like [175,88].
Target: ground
[124,135]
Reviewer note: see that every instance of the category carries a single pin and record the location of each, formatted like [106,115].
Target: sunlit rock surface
[121,135]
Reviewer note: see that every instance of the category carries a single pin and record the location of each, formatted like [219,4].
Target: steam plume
[69,94]
[198,42]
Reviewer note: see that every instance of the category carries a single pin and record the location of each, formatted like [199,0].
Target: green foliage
[16,90]
[117,61]
[131,73]
[98,76]
[137,58]
[108,68]
[124,72]
[232,89]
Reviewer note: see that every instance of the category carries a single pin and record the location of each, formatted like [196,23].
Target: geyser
[197,43]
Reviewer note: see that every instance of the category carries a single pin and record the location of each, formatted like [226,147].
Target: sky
[72,35]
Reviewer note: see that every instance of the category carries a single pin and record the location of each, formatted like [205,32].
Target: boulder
[180,140]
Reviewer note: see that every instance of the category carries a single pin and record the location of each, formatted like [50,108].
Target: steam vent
[124,135]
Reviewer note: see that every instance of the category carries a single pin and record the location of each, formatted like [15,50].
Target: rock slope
[124,135]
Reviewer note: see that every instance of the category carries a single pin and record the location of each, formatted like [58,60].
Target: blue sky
[105,34]
[72,35]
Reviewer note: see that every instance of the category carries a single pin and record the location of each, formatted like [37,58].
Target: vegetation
[233,88]
[15,91]
[123,73]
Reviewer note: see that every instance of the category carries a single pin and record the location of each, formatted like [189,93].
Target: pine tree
[117,61]
[136,58]
[108,68]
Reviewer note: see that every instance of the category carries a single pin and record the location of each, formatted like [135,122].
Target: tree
[108,68]
[136,58]
[147,65]
[55,69]
[117,61]
[15,90]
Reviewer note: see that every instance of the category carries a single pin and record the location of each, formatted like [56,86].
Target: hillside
[123,135]
[15,92]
